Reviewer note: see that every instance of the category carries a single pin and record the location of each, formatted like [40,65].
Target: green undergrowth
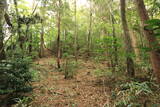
[140,91]
[69,69]
[16,79]
[131,92]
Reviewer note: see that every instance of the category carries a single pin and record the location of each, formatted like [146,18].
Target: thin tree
[135,45]
[127,40]
[42,29]
[42,39]
[2,13]
[113,22]
[90,30]
[76,35]
[30,44]
[58,36]
[115,62]
[152,41]
[18,25]
[28,28]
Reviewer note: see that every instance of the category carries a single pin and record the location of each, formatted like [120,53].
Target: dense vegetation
[114,44]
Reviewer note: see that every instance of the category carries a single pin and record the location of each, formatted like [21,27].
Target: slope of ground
[52,90]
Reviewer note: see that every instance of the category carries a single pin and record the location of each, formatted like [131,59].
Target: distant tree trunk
[65,35]
[128,45]
[2,13]
[30,44]
[152,41]
[76,35]
[58,37]
[114,42]
[64,43]
[29,39]
[42,40]
[135,45]
[90,30]
[19,25]
[2,52]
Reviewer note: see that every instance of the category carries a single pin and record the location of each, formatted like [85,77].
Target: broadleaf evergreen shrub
[15,75]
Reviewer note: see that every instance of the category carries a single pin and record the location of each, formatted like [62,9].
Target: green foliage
[23,102]
[106,42]
[131,94]
[15,75]
[69,67]
[103,72]
[154,25]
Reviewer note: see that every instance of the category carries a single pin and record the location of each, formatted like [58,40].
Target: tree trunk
[30,44]
[58,37]
[2,13]
[90,30]
[42,40]
[127,40]
[135,45]
[2,52]
[19,25]
[152,41]
[76,36]
[29,38]
[114,42]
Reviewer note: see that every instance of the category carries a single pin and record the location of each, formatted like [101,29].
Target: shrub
[69,67]
[131,94]
[15,75]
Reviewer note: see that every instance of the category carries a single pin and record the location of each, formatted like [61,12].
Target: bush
[133,94]
[69,67]
[15,75]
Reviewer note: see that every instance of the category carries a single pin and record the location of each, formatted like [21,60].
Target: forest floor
[84,90]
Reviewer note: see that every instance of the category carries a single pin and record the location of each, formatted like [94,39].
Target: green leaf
[153,22]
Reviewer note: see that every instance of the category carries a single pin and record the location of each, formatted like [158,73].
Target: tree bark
[76,36]
[58,37]
[114,42]
[30,44]
[152,41]
[18,25]
[127,40]
[2,13]
[42,40]
[28,37]
[135,45]
[90,30]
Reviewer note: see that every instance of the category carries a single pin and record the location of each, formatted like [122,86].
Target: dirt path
[52,90]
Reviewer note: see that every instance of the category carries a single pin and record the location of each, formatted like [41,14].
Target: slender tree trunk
[115,53]
[28,38]
[128,45]
[42,40]
[152,41]
[114,42]
[135,45]
[2,13]
[30,44]
[63,49]
[65,35]
[19,25]
[58,37]
[76,35]
[90,30]
[2,52]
